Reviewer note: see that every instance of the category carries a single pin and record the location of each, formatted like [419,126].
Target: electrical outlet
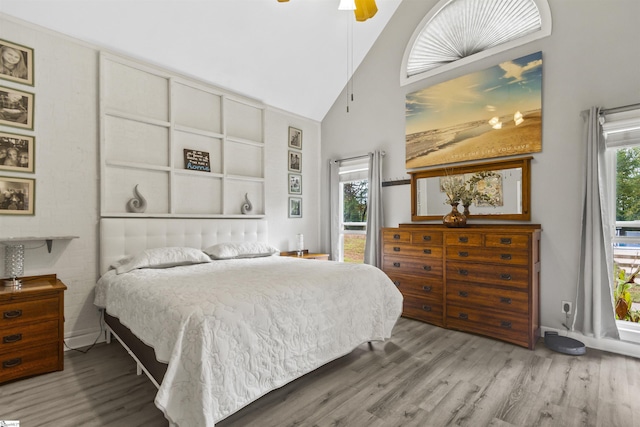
[567,307]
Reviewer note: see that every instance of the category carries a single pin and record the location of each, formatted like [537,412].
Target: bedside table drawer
[28,311]
[27,362]
[21,336]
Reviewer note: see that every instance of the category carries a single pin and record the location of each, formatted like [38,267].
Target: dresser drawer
[498,275]
[515,241]
[464,239]
[477,254]
[427,237]
[422,287]
[467,295]
[30,361]
[410,266]
[424,310]
[395,235]
[20,336]
[507,326]
[28,311]
[418,251]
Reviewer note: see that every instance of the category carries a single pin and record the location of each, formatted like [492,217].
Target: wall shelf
[48,239]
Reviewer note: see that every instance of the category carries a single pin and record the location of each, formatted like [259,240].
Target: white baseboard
[626,348]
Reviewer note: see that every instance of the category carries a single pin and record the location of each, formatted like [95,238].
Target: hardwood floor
[423,376]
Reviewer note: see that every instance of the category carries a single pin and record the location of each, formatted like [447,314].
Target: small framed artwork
[17,152]
[295,183]
[295,207]
[295,161]
[17,196]
[295,138]
[16,62]
[16,108]
[196,160]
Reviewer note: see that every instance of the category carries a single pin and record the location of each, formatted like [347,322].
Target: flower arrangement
[621,295]
[466,192]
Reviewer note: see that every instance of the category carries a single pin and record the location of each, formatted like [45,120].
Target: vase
[454,218]
[466,210]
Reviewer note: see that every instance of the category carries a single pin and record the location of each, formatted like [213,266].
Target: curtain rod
[619,109]
[364,156]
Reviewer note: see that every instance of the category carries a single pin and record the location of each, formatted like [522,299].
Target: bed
[215,335]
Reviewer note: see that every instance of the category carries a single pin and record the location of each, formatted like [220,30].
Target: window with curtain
[621,131]
[353,202]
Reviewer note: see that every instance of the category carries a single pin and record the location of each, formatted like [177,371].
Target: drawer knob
[505,240]
[426,251]
[505,300]
[396,249]
[396,236]
[505,324]
[12,363]
[463,254]
[396,264]
[426,238]
[505,256]
[426,267]
[463,316]
[463,239]
[505,276]
[463,293]
[13,314]
[463,272]
[11,338]
[426,288]
[426,307]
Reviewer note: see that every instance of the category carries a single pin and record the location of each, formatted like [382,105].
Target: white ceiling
[293,55]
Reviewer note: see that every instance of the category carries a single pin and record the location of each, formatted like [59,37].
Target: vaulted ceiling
[293,55]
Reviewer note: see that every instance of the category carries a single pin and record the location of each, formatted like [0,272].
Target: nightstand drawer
[30,361]
[29,311]
[21,336]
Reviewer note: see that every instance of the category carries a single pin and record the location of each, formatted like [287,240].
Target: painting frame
[295,207]
[26,56]
[12,190]
[295,183]
[14,112]
[294,160]
[295,138]
[20,144]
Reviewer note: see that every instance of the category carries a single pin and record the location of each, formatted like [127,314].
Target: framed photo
[17,152]
[295,207]
[17,196]
[16,108]
[16,62]
[196,160]
[295,161]
[295,138]
[295,183]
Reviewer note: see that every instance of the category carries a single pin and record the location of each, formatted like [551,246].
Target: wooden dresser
[31,327]
[482,278]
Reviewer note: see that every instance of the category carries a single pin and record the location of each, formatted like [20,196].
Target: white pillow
[161,258]
[240,250]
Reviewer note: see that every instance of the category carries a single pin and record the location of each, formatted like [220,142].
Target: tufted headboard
[120,237]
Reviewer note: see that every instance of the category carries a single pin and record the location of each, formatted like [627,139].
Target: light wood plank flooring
[423,376]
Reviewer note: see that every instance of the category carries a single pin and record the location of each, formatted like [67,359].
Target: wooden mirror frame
[523,163]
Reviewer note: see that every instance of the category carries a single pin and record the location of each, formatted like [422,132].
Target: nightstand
[306,255]
[31,327]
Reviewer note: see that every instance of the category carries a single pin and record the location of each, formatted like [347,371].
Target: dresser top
[31,285]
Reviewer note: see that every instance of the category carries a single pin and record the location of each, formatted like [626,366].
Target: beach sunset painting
[491,113]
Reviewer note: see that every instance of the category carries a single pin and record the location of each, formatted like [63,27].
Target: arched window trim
[405,79]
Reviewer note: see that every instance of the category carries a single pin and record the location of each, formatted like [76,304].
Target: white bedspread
[231,331]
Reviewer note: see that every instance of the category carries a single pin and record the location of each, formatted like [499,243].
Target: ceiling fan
[363,9]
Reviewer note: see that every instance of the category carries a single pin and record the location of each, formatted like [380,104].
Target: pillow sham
[240,250]
[161,258]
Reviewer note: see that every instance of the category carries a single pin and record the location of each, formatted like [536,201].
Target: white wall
[67,173]
[589,60]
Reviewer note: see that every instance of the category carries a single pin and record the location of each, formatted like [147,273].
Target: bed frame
[120,237]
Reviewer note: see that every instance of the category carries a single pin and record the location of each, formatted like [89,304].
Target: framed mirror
[501,188]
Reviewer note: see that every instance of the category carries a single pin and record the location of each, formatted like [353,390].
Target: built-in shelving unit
[149,117]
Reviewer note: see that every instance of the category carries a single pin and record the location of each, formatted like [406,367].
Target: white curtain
[336,210]
[372,250]
[594,308]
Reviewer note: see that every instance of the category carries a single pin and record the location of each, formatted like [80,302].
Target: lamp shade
[347,5]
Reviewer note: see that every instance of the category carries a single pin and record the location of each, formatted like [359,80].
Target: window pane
[628,184]
[355,203]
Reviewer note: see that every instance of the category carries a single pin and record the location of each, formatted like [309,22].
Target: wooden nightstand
[31,327]
[306,255]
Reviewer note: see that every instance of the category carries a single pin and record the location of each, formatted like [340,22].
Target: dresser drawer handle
[463,272]
[11,338]
[505,240]
[396,236]
[12,314]
[463,254]
[396,264]
[505,324]
[505,256]
[505,300]
[463,239]
[396,249]
[426,238]
[463,316]
[463,293]
[397,283]
[12,363]
[426,251]
[505,276]
[426,288]
[426,307]
[426,267]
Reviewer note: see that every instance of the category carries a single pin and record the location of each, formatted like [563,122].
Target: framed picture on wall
[17,152]
[16,62]
[295,161]
[295,183]
[16,108]
[17,196]
[295,207]
[295,138]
